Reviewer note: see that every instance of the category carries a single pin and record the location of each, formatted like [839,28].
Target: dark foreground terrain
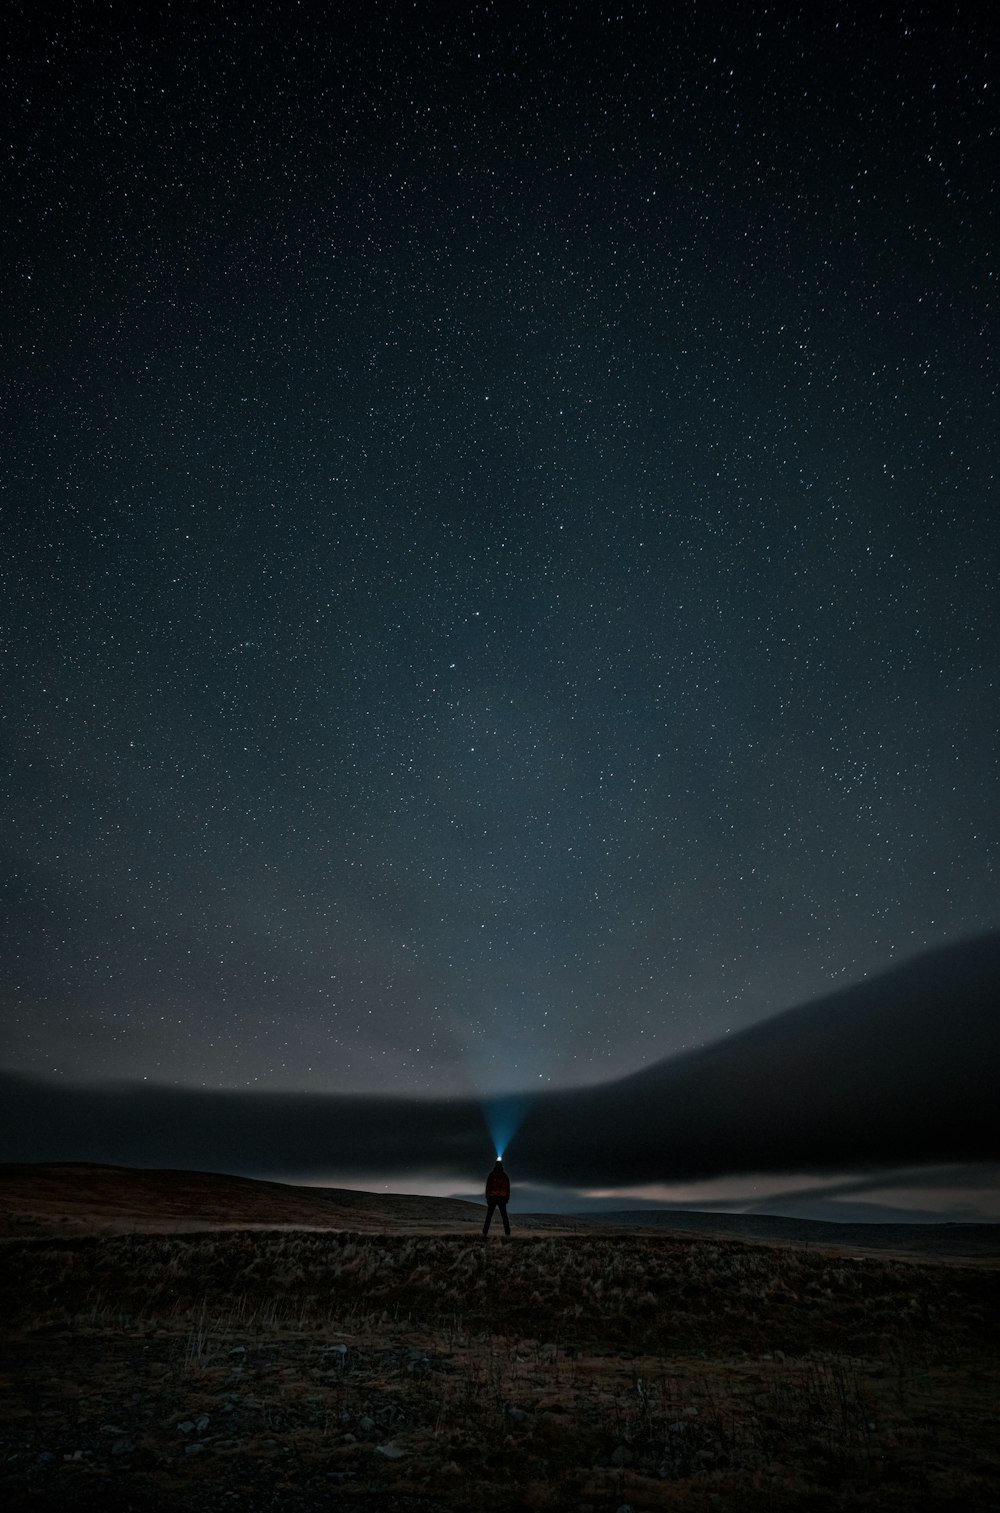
[301,1371]
[196,1342]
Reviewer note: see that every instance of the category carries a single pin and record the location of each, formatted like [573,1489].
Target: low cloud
[898,1071]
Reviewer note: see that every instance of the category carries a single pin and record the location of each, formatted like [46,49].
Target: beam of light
[509,1053]
[504,1114]
[497,1046]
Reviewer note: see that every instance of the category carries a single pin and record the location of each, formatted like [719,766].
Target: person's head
[499,1161]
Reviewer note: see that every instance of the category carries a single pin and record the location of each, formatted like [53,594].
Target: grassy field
[299,1371]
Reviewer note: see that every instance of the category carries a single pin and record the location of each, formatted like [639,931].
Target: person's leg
[490,1206]
[503,1214]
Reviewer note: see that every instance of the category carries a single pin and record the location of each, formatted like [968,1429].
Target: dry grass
[441,1373]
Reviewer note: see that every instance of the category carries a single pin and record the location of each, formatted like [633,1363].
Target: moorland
[184,1342]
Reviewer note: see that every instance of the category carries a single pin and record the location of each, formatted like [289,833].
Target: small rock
[690,1413]
[111,1429]
[202,1423]
[186,1425]
[390,1451]
[366,1424]
[45,1458]
[621,1455]
[194,1449]
[123,1446]
[517,1415]
[349,1439]
[238,1350]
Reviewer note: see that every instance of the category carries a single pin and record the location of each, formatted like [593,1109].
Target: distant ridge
[955,1239]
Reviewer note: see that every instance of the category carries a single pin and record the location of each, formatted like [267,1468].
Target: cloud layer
[899,1070]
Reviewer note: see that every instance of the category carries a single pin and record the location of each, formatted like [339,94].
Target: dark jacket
[498,1185]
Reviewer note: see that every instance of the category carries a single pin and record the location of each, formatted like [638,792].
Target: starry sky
[500,538]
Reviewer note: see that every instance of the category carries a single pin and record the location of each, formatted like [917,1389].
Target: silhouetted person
[497,1193]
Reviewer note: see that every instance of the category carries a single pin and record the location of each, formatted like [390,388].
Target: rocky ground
[299,1372]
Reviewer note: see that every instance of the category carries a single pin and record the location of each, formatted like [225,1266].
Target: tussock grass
[646,1293]
[663,1371]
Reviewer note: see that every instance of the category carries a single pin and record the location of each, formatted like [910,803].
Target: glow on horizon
[978,1200]
[728,1190]
[974,1199]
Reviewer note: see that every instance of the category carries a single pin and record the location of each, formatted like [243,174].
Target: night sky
[500,544]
